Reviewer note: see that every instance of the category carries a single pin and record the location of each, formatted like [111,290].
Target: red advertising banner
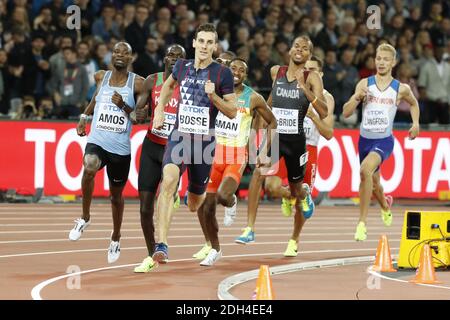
[49,155]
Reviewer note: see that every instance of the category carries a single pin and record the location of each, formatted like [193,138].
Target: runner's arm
[355,99]
[227,105]
[89,110]
[315,95]
[324,126]
[141,111]
[273,72]
[259,105]
[98,76]
[407,95]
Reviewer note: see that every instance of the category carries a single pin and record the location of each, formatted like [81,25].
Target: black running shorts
[150,168]
[117,166]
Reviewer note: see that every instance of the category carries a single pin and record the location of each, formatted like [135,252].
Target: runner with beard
[108,143]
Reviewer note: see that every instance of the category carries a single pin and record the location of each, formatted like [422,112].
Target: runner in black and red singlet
[153,147]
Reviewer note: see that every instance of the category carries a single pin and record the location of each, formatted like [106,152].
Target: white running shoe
[78,229]
[211,258]
[113,251]
[230,213]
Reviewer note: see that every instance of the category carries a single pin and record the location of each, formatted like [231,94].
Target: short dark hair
[83,42]
[108,5]
[177,46]
[126,44]
[318,60]
[37,35]
[142,5]
[70,49]
[206,27]
[306,38]
[242,60]
[231,54]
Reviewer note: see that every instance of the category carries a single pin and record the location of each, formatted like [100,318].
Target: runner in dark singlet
[292,92]
[206,87]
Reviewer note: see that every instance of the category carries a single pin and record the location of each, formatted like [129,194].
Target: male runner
[293,90]
[153,148]
[230,160]
[314,127]
[380,95]
[206,87]
[108,143]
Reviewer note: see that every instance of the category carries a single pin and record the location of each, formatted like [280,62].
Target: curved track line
[379,275]
[35,292]
[230,282]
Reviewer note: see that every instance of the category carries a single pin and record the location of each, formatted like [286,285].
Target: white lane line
[288,227]
[190,236]
[36,291]
[379,275]
[188,221]
[182,229]
[174,246]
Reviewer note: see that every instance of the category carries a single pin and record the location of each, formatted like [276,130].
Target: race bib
[375,119]
[193,119]
[308,127]
[111,118]
[226,127]
[287,120]
[169,123]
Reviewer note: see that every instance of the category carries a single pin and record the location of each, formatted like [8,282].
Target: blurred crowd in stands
[46,69]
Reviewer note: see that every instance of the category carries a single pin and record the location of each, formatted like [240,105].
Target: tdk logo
[193,109]
[171,117]
[111,107]
[285,112]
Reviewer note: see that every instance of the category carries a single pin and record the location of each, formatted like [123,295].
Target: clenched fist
[209,87]
[141,114]
[81,128]
[310,113]
[117,100]
[413,132]
[360,95]
[158,119]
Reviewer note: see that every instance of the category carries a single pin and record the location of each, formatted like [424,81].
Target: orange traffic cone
[383,261]
[425,273]
[264,290]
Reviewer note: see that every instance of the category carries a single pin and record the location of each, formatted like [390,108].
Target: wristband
[84,116]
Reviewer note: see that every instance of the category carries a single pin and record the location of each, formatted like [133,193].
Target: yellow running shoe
[287,206]
[361,232]
[386,216]
[176,202]
[200,255]
[146,266]
[291,250]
